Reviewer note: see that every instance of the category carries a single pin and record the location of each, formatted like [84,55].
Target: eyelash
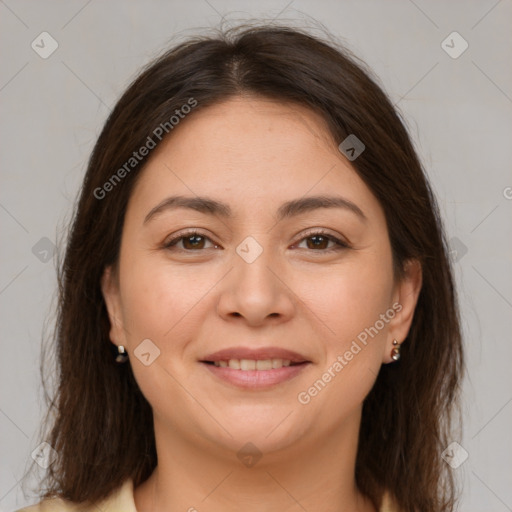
[340,245]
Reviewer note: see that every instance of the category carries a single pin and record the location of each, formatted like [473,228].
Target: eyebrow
[287,210]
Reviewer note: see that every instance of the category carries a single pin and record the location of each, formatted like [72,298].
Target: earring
[122,355]
[395,353]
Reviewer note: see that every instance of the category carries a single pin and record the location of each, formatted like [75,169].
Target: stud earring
[122,355]
[395,353]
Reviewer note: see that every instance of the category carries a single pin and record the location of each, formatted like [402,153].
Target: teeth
[264,365]
[251,364]
[247,364]
[234,363]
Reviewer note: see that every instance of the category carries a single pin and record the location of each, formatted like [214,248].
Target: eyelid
[341,242]
[175,238]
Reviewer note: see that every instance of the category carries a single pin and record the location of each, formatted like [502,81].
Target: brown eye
[317,242]
[189,242]
[320,242]
[193,242]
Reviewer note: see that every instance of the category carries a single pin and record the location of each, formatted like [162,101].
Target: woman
[256,307]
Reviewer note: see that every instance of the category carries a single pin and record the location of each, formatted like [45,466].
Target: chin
[268,429]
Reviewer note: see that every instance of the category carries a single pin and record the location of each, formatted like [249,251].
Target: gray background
[458,111]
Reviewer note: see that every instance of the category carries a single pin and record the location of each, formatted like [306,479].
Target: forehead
[244,128]
[250,149]
[258,114]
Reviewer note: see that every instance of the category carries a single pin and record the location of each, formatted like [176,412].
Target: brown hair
[103,425]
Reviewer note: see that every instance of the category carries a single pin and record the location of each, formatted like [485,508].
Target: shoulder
[121,500]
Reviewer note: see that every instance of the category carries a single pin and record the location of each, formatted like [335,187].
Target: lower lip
[256,379]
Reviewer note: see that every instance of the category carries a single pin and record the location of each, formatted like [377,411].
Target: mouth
[255,369]
[254,364]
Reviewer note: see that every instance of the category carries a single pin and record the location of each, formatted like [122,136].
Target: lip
[255,354]
[256,379]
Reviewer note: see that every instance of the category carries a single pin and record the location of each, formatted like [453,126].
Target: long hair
[99,422]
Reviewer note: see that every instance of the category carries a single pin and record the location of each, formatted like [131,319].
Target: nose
[257,292]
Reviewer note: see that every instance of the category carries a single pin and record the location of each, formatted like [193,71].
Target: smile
[253,364]
[255,369]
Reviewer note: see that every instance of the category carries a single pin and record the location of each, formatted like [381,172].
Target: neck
[194,476]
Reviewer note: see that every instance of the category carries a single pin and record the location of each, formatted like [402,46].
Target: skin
[254,154]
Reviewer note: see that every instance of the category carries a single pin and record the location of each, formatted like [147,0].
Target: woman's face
[274,254]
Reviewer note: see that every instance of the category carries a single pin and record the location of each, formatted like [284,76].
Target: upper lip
[259,354]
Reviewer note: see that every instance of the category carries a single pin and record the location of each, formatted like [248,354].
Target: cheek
[354,303]
[352,353]
[158,298]
[161,303]
[350,300]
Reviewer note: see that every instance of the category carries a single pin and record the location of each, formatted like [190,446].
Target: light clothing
[122,501]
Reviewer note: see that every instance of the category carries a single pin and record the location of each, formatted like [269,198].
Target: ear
[405,298]
[110,291]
